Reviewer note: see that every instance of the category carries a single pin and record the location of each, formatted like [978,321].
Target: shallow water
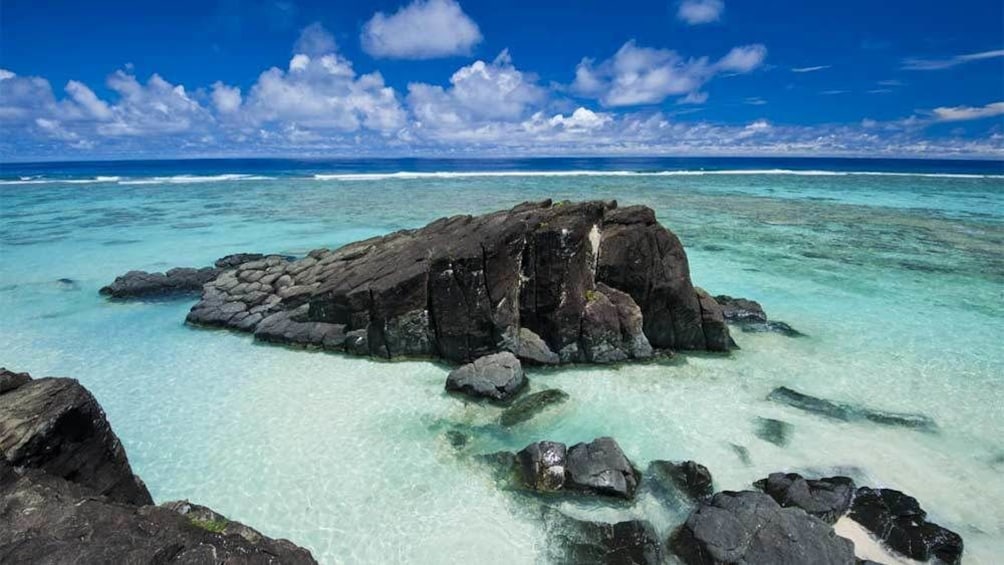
[897,280]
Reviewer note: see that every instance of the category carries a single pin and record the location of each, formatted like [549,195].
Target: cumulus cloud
[643,75]
[227,99]
[88,100]
[478,93]
[965,113]
[696,12]
[424,29]
[919,64]
[315,40]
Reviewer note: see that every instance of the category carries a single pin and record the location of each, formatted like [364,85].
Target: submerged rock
[773,431]
[772,326]
[849,412]
[495,377]
[690,477]
[827,499]
[750,527]
[601,467]
[750,317]
[578,542]
[57,426]
[68,494]
[178,281]
[525,408]
[899,521]
[552,283]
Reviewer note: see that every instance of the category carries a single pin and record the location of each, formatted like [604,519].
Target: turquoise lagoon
[897,279]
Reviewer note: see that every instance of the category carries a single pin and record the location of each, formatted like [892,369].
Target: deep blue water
[308,167]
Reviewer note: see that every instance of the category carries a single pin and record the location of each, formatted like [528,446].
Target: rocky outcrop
[68,494]
[750,317]
[850,412]
[178,281]
[690,477]
[750,527]
[578,542]
[496,377]
[526,407]
[827,499]
[551,282]
[898,520]
[57,426]
[597,467]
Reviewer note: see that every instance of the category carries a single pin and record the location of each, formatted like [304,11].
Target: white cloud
[964,113]
[226,99]
[424,29]
[478,93]
[5,74]
[809,69]
[917,64]
[315,40]
[696,12]
[581,118]
[88,100]
[643,75]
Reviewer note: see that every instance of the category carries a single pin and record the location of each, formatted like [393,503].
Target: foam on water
[897,282]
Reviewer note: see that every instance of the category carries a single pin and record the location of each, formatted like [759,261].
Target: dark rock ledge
[68,494]
[586,282]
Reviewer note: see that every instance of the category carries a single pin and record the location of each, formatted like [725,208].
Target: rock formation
[850,412]
[180,280]
[690,477]
[597,467]
[497,377]
[827,499]
[68,494]
[899,521]
[550,282]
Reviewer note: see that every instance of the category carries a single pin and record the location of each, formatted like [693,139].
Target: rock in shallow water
[750,527]
[178,281]
[899,521]
[597,467]
[578,542]
[849,412]
[827,499]
[773,431]
[553,283]
[689,476]
[495,377]
[527,407]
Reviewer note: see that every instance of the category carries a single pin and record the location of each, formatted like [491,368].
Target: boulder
[750,527]
[898,520]
[10,380]
[526,407]
[600,467]
[496,377]
[56,425]
[178,281]
[50,520]
[716,332]
[740,310]
[850,412]
[542,465]
[690,477]
[827,499]
[631,542]
[550,282]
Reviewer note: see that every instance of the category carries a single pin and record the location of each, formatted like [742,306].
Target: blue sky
[82,80]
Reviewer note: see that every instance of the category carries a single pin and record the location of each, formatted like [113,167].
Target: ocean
[894,270]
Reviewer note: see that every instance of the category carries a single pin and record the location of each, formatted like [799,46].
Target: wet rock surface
[631,542]
[175,282]
[750,527]
[495,377]
[898,520]
[690,477]
[850,412]
[750,316]
[55,425]
[68,494]
[601,467]
[827,499]
[526,407]
[585,282]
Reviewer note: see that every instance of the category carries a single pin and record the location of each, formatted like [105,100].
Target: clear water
[897,279]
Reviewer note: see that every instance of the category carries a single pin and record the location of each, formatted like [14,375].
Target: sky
[448,78]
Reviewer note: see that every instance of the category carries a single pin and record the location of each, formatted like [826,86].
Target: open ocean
[893,268]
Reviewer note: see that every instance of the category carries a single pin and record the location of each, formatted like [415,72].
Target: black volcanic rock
[495,377]
[551,282]
[178,281]
[57,426]
[601,467]
[750,317]
[542,465]
[10,380]
[750,527]
[689,476]
[827,499]
[68,494]
[579,542]
[899,521]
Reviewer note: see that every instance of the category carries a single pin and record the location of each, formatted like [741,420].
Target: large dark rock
[47,519]
[495,377]
[57,426]
[564,282]
[750,527]
[690,477]
[578,542]
[827,499]
[601,467]
[850,412]
[526,407]
[10,380]
[899,521]
[750,317]
[178,281]
[68,494]
[542,465]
